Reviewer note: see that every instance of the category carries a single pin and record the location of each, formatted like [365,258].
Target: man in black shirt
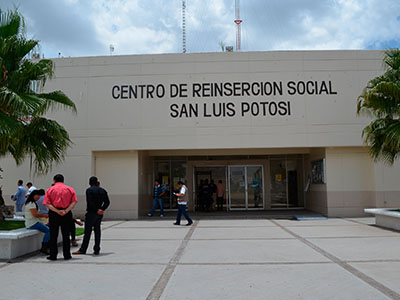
[97,202]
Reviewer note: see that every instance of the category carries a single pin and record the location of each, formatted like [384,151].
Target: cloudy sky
[89,27]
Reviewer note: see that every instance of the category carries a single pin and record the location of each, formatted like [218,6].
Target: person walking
[97,202]
[183,198]
[32,218]
[19,196]
[60,199]
[159,191]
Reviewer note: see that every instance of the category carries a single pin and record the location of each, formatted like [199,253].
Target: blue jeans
[18,206]
[155,202]
[182,210]
[43,228]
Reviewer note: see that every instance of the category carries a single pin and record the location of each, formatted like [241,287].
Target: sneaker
[177,224]
[188,224]
[51,258]
[149,215]
[161,216]
[96,252]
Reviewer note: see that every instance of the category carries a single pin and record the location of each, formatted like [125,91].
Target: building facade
[279,129]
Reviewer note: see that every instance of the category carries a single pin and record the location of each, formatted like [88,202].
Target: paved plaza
[220,259]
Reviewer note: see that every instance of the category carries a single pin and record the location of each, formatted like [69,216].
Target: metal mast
[183,26]
[238,22]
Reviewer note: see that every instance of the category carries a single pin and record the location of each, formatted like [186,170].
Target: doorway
[204,187]
[246,187]
[287,182]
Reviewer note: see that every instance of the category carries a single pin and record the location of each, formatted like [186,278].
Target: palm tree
[24,130]
[381,100]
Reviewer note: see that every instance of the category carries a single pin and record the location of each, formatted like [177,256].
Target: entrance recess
[246,189]
[287,182]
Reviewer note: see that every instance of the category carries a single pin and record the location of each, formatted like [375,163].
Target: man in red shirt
[60,199]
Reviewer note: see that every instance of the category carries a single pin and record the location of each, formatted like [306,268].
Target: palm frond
[39,71]
[46,140]
[55,100]
[12,102]
[11,23]
[392,59]
[43,140]
[381,99]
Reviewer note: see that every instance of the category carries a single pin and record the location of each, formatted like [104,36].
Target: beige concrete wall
[387,185]
[145,182]
[350,181]
[118,173]
[317,120]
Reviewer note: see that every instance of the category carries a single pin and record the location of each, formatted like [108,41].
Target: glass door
[246,187]
[255,187]
[237,187]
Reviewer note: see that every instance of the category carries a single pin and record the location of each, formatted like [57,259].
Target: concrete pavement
[220,259]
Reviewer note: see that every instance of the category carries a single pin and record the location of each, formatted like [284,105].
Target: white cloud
[349,25]
[131,28]
[78,27]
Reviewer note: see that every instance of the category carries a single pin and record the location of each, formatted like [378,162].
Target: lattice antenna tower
[238,22]
[183,26]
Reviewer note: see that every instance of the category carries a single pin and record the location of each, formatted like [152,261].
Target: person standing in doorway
[213,190]
[159,191]
[183,198]
[97,202]
[19,196]
[60,199]
[205,194]
[220,195]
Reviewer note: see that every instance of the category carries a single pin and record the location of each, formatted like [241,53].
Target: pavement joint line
[350,237]
[162,282]
[150,227]
[149,239]
[107,227]
[375,226]
[372,261]
[370,281]
[97,263]
[242,239]
[234,227]
[177,228]
[321,225]
[357,222]
[5,264]
[256,263]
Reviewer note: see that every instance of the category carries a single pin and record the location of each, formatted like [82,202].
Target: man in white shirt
[31,188]
[183,198]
